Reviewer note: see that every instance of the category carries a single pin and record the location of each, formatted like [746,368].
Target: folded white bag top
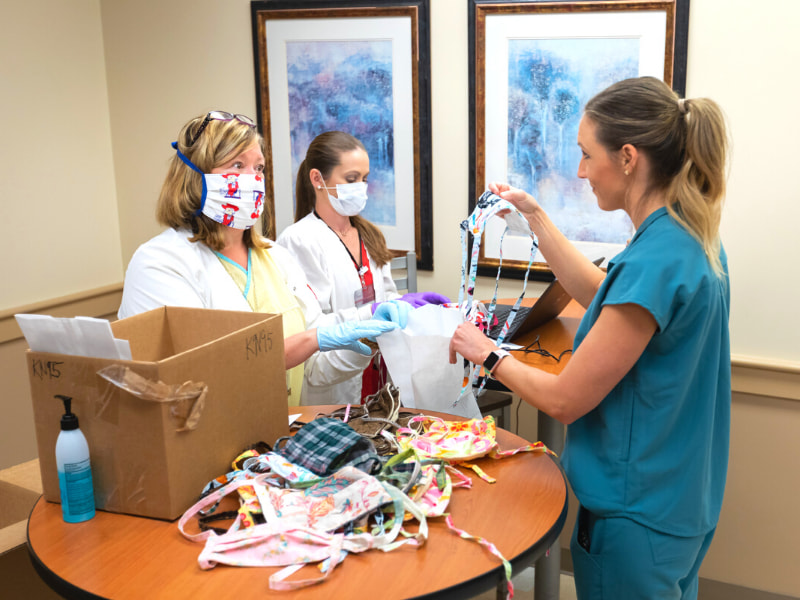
[418,360]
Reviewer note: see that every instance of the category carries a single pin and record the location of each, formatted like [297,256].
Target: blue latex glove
[392,310]
[417,299]
[346,335]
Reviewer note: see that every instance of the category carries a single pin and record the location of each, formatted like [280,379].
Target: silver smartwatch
[494,359]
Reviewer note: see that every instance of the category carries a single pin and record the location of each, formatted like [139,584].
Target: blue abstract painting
[346,86]
[550,81]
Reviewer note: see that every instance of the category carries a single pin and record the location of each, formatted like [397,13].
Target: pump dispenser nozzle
[69,420]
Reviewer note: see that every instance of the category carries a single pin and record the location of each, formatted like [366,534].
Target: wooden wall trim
[767,364]
[765,377]
[98,302]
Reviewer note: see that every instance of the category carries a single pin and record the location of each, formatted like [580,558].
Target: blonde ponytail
[697,192]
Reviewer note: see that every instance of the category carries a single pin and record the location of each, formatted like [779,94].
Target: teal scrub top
[655,450]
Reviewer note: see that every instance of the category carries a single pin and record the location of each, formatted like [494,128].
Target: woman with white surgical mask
[344,256]
[211,256]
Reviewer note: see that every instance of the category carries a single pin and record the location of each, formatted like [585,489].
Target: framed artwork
[355,66]
[534,65]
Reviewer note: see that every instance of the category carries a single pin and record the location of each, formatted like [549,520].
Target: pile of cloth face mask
[289,515]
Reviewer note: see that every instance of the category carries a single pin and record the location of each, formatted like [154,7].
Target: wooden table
[555,336]
[126,557]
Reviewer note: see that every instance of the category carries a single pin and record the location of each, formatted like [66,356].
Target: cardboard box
[142,464]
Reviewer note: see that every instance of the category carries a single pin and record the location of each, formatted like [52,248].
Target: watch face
[491,361]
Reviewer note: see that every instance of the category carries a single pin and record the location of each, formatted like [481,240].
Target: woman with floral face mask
[344,256]
[211,256]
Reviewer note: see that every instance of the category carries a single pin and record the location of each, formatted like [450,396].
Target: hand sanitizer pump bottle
[74,471]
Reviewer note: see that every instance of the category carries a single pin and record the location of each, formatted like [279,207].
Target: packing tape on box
[187,399]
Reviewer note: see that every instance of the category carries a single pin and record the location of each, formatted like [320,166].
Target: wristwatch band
[494,359]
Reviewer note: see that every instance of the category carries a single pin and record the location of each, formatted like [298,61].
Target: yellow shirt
[264,288]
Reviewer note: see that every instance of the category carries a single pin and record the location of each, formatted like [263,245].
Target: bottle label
[77,492]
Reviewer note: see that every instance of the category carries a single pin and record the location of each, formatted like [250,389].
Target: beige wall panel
[168,62]
[756,541]
[58,198]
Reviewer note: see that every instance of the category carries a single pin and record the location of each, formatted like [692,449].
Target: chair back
[405,282]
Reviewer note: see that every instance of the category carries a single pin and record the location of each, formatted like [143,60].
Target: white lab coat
[169,270]
[334,279]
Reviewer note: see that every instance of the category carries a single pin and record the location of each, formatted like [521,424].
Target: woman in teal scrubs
[646,395]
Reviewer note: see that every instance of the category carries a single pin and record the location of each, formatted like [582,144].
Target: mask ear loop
[514,309]
[487,206]
[192,166]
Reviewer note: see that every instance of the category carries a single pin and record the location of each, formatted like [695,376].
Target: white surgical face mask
[233,199]
[352,198]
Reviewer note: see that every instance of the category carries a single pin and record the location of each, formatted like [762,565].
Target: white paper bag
[418,361]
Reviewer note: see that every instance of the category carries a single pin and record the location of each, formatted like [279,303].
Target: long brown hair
[324,154]
[686,142]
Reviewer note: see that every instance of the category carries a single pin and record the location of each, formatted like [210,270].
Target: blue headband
[191,165]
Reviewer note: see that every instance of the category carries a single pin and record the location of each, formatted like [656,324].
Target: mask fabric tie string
[194,167]
[488,205]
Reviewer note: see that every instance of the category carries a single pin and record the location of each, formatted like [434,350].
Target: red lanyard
[364,272]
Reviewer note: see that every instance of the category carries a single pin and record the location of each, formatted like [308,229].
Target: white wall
[57,193]
[742,54]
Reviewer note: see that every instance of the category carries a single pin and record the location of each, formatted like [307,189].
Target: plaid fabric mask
[324,446]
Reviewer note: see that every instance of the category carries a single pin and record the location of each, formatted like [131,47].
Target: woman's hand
[350,335]
[395,311]
[471,343]
[524,202]
[417,299]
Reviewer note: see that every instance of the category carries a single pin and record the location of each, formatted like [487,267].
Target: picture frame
[533,67]
[357,66]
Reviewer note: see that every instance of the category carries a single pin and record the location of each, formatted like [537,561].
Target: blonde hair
[182,190]
[686,142]
[324,154]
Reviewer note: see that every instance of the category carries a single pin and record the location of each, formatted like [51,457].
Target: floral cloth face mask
[303,526]
[234,199]
[460,441]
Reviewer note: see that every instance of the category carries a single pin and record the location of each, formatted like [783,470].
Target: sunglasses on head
[220,115]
